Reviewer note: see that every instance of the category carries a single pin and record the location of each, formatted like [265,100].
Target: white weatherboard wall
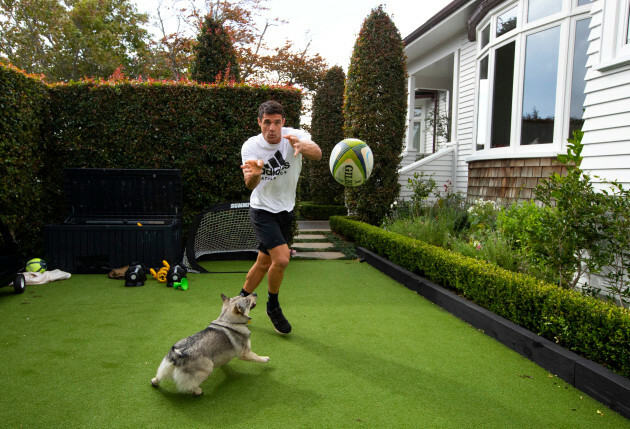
[606,109]
[438,166]
[466,109]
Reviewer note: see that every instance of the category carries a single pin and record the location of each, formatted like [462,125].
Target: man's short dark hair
[270,108]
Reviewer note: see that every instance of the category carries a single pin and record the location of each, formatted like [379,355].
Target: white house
[497,86]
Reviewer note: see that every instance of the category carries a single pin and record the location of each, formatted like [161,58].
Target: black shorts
[272,229]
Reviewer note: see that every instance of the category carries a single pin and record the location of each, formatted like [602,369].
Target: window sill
[620,61]
[512,155]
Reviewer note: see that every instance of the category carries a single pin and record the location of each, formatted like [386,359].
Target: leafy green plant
[482,215]
[422,187]
[572,230]
[617,243]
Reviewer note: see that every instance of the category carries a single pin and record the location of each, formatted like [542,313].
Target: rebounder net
[223,229]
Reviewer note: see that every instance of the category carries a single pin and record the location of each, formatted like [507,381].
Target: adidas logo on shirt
[275,166]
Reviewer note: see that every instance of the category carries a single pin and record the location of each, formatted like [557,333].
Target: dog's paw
[264,359]
[155,382]
[198,391]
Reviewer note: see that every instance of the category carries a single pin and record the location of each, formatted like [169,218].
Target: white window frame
[614,52]
[566,20]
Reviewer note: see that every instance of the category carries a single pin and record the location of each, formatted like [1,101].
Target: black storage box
[115,217]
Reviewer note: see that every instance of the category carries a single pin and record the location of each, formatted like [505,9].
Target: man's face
[271,127]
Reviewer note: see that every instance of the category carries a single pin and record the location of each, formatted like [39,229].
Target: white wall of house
[607,104]
[439,167]
[466,109]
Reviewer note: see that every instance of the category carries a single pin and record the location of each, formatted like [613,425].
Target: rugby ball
[351,162]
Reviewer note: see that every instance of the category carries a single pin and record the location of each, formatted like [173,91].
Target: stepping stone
[313,225]
[312,245]
[321,255]
[310,237]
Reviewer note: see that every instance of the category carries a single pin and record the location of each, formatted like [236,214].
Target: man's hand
[306,147]
[252,170]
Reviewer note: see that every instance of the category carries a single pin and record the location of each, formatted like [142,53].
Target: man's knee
[280,257]
[280,263]
[263,263]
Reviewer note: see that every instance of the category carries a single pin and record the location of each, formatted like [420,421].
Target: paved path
[308,231]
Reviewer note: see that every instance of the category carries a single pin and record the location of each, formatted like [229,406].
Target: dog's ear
[224,298]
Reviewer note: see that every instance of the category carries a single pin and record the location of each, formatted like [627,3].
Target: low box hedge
[597,330]
[310,211]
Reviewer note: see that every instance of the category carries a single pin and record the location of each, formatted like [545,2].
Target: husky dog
[191,360]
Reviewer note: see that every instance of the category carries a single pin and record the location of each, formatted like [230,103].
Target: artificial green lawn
[364,352]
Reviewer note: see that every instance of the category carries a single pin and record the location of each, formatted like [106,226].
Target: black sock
[273,301]
[244,293]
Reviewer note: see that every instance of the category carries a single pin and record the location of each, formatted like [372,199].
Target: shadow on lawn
[229,391]
[423,388]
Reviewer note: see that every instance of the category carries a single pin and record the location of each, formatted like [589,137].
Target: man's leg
[257,272]
[279,260]
[280,256]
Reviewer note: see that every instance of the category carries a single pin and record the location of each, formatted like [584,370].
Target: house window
[482,104]
[530,76]
[485,36]
[502,97]
[537,9]
[539,86]
[615,35]
[506,22]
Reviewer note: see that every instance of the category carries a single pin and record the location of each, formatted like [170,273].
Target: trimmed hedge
[310,211]
[198,128]
[23,111]
[597,330]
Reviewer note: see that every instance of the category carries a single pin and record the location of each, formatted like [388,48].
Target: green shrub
[597,330]
[215,56]
[24,103]
[327,131]
[123,124]
[308,210]
[422,187]
[196,128]
[572,230]
[376,111]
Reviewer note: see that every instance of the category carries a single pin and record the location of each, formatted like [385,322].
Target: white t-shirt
[278,183]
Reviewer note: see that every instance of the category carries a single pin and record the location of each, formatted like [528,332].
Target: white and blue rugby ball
[351,162]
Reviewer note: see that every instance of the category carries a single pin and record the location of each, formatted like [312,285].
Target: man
[272,162]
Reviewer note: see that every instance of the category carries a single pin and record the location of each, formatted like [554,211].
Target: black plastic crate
[115,217]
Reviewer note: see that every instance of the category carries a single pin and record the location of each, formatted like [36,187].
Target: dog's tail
[177,355]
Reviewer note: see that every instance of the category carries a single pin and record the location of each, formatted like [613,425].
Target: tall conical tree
[215,56]
[375,111]
[327,131]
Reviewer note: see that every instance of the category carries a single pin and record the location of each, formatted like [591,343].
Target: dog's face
[237,308]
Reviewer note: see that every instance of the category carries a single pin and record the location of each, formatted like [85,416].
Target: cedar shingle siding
[505,180]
